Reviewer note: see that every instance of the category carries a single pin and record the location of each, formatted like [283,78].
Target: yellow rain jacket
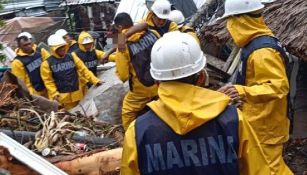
[183,108]
[99,55]
[81,38]
[20,72]
[265,92]
[68,100]
[135,100]
[172,27]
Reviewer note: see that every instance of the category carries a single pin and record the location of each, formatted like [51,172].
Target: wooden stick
[101,163]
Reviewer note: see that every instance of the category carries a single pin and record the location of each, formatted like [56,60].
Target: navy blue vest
[73,48]
[162,30]
[64,73]
[32,65]
[140,57]
[89,58]
[209,149]
[258,43]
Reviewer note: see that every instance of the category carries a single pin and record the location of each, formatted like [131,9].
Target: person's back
[132,64]
[189,129]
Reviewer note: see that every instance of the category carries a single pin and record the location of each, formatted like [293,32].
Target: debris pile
[53,132]
[62,137]
[17,113]
[60,131]
[295,154]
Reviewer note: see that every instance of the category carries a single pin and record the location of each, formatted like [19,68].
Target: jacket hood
[54,48]
[20,52]
[244,28]
[185,107]
[81,38]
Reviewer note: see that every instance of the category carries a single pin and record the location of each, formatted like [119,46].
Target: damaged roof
[286,18]
[77,2]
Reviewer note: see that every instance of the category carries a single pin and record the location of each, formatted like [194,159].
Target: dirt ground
[295,155]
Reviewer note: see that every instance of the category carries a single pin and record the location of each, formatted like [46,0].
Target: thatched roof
[287,19]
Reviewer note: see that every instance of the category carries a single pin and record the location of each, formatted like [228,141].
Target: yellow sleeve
[112,57]
[268,77]
[46,75]
[250,155]
[122,61]
[129,162]
[45,54]
[84,71]
[173,27]
[20,72]
[99,54]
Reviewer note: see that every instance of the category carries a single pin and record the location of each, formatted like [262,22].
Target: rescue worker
[69,40]
[190,129]
[87,52]
[157,18]
[262,82]
[26,65]
[132,64]
[61,74]
[177,17]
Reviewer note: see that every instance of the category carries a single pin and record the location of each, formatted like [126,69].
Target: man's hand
[231,91]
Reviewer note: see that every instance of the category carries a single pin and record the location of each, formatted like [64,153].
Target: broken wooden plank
[231,57]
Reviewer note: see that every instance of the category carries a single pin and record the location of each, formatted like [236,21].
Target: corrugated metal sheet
[76,2]
[30,7]
[52,4]
[16,5]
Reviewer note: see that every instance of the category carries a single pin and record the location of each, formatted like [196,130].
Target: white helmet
[176,55]
[88,40]
[26,34]
[177,17]
[56,40]
[236,7]
[267,1]
[161,8]
[61,32]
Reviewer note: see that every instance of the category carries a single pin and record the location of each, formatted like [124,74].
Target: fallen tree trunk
[102,163]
